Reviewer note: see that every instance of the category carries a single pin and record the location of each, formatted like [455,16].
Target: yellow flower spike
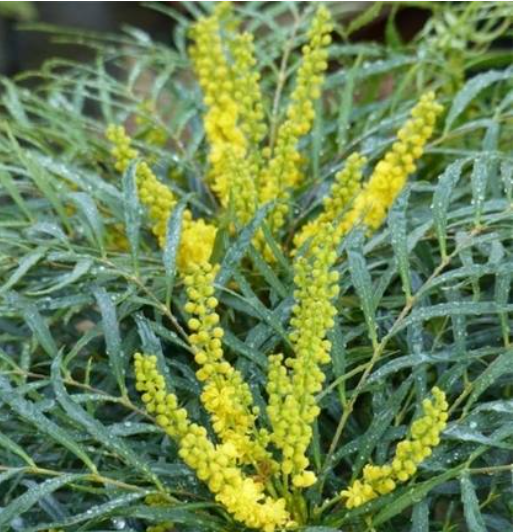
[122,150]
[390,175]
[216,465]
[231,169]
[157,198]
[283,169]
[424,435]
[225,395]
[197,241]
[294,383]
[345,188]
[246,88]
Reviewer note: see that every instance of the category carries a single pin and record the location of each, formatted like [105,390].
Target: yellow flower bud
[380,480]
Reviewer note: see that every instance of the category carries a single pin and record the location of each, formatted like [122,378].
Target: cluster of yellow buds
[122,150]
[225,395]
[234,124]
[345,188]
[214,464]
[220,83]
[158,198]
[424,436]
[247,91]
[293,384]
[371,205]
[196,242]
[292,405]
[198,236]
[283,169]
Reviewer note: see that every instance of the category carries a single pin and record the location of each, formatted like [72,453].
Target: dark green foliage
[424,301]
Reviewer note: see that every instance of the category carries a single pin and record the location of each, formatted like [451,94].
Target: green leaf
[420,517]
[186,514]
[42,179]
[35,322]
[236,345]
[24,265]
[97,512]
[479,177]
[8,183]
[29,412]
[268,273]
[112,336]
[32,496]
[87,206]
[11,98]
[398,228]
[470,90]
[12,446]
[131,211]
[399,502]
[95,428]
[381,422]
[363,19]
[80,269]
[472,513]
[345,106]
[442,199]
[502,365]
[4,477]
[171,248]
[460,308]
[506,174]
[240,247]
[361,280]
[338,351]
[393,36]
[152,346]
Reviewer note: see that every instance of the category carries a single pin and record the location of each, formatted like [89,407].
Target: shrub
[277,299]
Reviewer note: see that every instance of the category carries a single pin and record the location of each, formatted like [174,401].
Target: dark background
[21,50]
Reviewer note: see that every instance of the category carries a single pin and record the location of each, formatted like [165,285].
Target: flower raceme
[248,176]
[197,236]
[389,177]
[256,466]
[241,171]
[349,204]
[346,186]
[225,395]
[214,464]
[278,457]
[283,169]
[424,436]
[228,114]
[294,382]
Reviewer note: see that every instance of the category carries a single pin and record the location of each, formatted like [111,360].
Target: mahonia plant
[257,463]
[204,326]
